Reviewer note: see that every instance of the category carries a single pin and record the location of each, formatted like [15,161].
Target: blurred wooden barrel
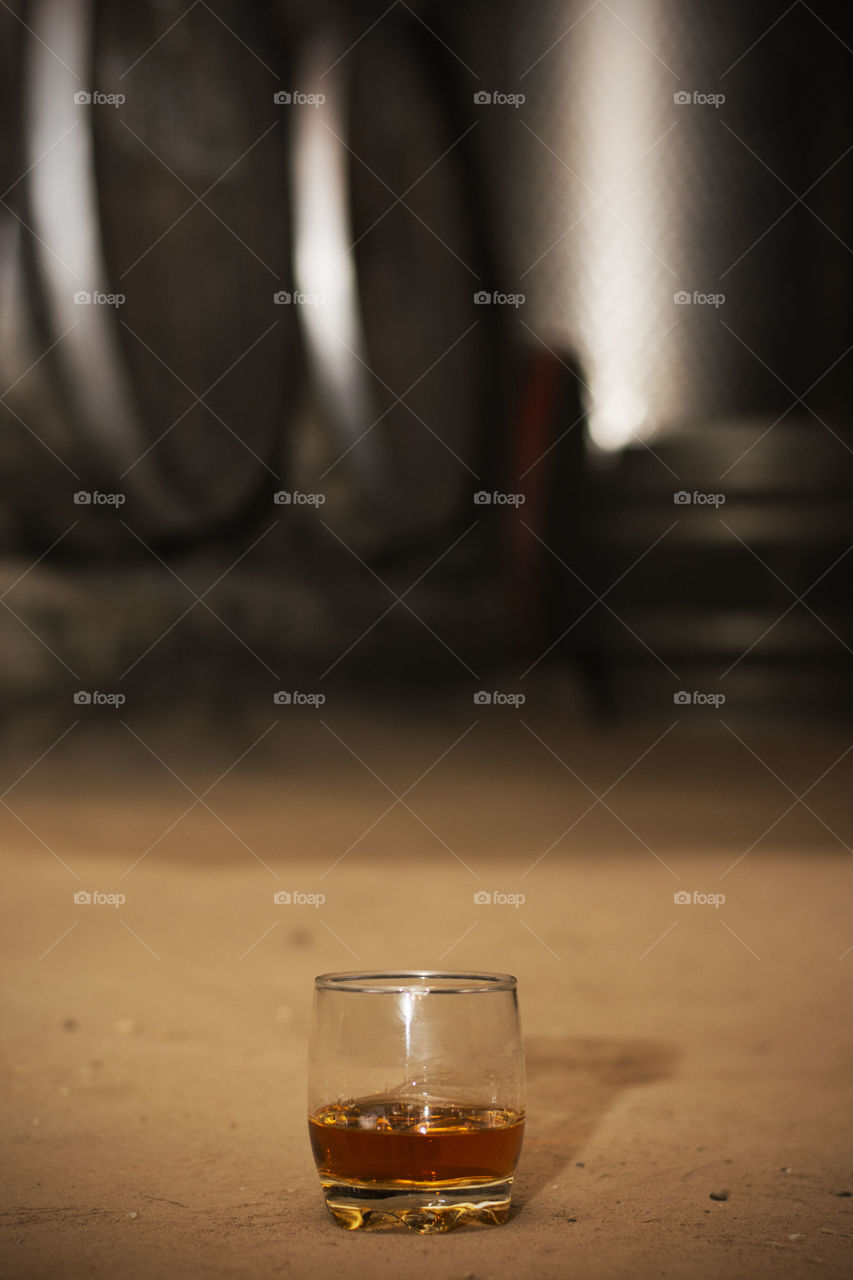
[142,352]
[725,557]
[166,197]
[424,232]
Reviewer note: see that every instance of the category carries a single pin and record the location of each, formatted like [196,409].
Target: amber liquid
[400,1144]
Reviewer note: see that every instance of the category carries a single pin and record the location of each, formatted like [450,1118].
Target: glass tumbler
[416,1097]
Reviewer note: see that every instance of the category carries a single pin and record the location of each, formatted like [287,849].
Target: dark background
[597,199]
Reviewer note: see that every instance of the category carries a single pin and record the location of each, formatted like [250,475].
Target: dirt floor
[690,1065]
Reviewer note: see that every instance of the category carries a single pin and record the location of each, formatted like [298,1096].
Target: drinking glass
[416,1097]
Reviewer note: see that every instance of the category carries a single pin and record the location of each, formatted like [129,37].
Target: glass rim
[400,981]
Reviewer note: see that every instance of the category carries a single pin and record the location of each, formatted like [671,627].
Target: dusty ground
[153,1062]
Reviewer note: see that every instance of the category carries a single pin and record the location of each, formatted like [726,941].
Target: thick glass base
[425,1209]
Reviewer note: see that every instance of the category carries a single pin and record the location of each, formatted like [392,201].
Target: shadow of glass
[570,1085]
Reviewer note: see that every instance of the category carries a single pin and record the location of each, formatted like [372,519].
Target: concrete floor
[154,1053]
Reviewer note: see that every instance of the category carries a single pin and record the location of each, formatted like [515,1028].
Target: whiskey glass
[416,1097]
